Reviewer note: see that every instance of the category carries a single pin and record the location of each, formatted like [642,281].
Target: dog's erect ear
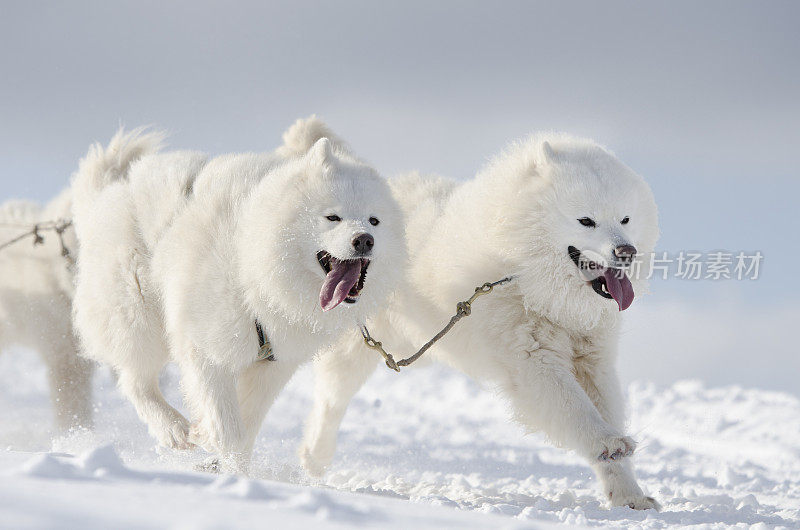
[547,152]
[321,151]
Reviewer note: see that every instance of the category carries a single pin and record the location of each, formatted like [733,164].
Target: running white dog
[207,260]
[36,288]
[562,216]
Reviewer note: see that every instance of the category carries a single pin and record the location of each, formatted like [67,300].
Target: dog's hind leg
[338,374]
[70,380]
[165,424]
[120,324]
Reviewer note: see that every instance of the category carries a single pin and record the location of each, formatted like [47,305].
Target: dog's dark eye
[585,221]
[374,221]
[333,218]
[625,220]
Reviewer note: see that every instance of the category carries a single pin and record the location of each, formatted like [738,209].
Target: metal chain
[463,309]
[65,253]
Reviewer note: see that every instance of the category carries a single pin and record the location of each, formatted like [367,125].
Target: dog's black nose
[363,243]
[625,252]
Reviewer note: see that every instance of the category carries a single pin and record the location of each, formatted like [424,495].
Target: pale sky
[701,98]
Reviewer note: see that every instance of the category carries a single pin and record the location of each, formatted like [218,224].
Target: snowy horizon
[702,106]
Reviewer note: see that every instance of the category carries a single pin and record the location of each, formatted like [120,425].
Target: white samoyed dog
[36,288]
[210,262]
[564,218]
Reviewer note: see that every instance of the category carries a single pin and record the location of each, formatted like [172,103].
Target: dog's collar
[264,346]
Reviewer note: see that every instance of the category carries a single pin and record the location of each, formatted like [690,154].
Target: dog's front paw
[232,464]
[209,465]
[636,502]
[199,436]
[615,448]
[174,434]
[523,341]
[314,463]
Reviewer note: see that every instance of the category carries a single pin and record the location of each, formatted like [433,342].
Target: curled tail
[100,167]
[413,189]
[304,133]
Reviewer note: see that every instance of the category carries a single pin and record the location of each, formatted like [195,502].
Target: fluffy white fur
[36,288]
[181,255]
[548,341]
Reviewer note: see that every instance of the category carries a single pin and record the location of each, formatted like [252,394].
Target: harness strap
[264,347]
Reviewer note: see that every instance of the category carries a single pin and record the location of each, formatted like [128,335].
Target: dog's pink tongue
[341,278]
[619,287]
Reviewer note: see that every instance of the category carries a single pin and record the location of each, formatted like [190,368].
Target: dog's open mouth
[610,282]
[344,280]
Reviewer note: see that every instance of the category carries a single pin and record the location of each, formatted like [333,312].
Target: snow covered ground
[424,449]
